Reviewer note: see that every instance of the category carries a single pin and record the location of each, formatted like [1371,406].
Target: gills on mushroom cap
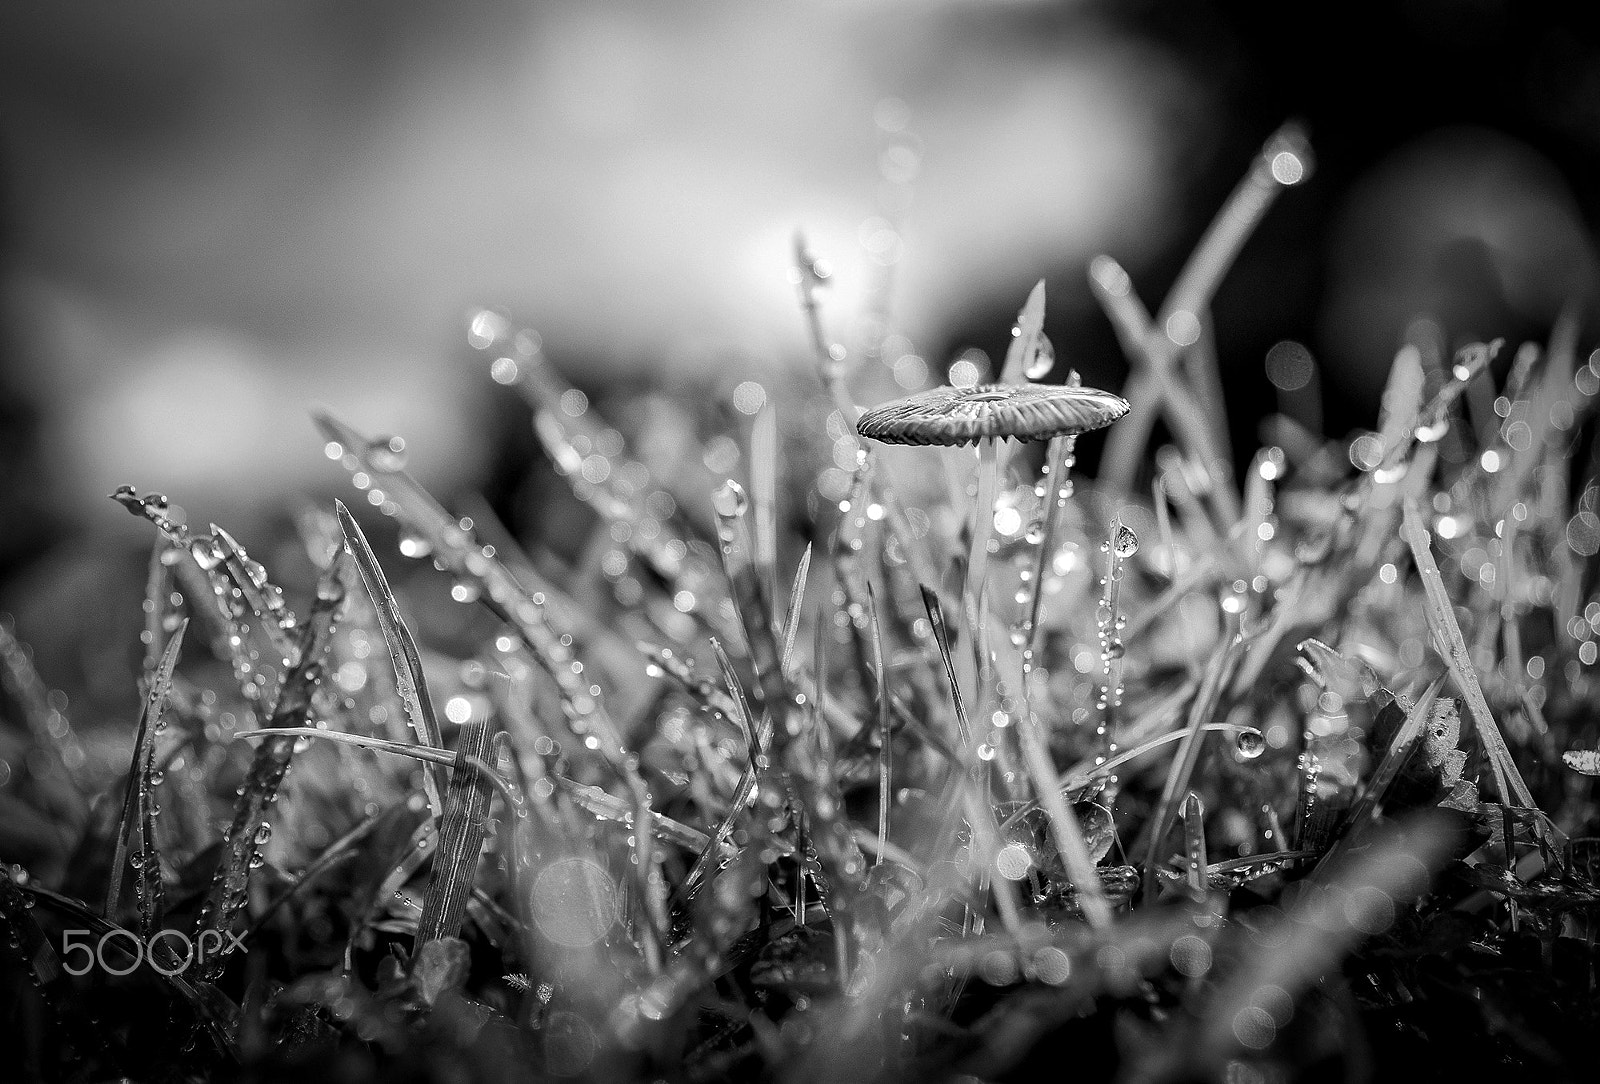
[957,416]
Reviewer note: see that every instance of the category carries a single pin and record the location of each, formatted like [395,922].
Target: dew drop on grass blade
[138,797]
[230,886]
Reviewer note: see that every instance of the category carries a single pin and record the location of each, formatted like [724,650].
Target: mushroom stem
[978,562]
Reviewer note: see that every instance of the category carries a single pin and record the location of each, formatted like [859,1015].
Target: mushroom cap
[955,416]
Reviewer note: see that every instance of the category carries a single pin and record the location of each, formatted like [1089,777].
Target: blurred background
[213,216]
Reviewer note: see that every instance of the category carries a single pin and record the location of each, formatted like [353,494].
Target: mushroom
[986,415]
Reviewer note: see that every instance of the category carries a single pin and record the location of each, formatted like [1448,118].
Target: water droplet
[263,833]
[1043,360]
[1125,542]
[256,861]
[729,500]
[1249,744]
[1429,434]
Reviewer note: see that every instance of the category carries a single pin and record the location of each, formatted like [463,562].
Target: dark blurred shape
[1466,226]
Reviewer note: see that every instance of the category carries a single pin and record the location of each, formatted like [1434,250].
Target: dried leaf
[1584,761]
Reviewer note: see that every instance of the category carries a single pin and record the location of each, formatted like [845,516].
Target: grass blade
[1196,867]
[137,798]
[1204,706]
[885,729]
[1074,850]
[797,598]
[461,838]
[409,680]
[249,829]
[1453,647]
[426,754]
[1026,339]
[764,494]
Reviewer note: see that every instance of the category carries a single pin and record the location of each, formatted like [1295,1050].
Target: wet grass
[1259,779]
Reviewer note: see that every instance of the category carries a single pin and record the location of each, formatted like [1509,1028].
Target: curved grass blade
[138,799]
[249,829]
[264,598]
[239,589]
[423,753]
[611,808]
[408,676]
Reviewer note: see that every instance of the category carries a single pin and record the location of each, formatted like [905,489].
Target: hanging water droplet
[263,834]
[414,545]
[1125,542]
[1249,744]
[986,751]
[256,861]
[729,500]
[1043,360]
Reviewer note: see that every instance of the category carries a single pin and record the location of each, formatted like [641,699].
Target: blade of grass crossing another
[460,839]
[1453,647]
